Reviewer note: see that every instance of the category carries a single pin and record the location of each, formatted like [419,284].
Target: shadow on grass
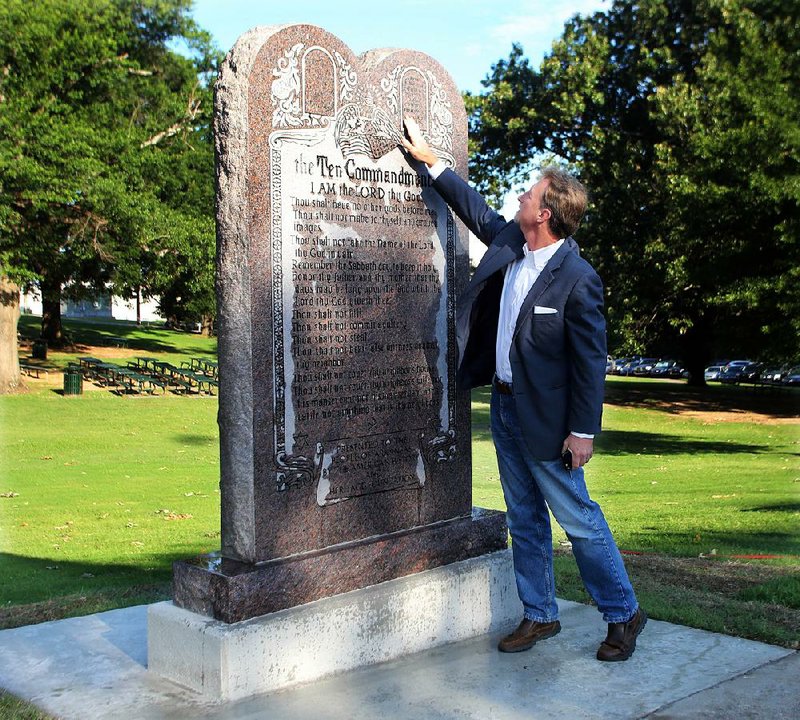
[633,442]
[621,442]
[88,332]
[702,540]
[55,577]
[197,440]
[784,507]
[677,397]
[37,589]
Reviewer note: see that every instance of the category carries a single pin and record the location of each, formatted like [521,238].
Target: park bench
[32,370]
[118,342]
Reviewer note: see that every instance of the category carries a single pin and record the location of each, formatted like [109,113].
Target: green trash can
[73,383]
[39,350]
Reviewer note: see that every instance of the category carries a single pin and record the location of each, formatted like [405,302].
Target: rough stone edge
[341,633]
[235,420]
[247,592]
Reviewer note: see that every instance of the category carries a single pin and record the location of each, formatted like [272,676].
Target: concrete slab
[403,616]
[769,691]
[94,667]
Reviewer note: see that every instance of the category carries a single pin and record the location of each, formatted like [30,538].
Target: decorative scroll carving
[286,90]
[441,130]
[297,470]
[438,449]
[437,123]
[293,105]
[347,78]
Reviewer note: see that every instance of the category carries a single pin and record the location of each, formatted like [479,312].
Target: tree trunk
[696,353]
[52,330]
[207,325]
[9,353]
[138,306]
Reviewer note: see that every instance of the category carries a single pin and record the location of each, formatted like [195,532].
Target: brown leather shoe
[527,635]
[621,639]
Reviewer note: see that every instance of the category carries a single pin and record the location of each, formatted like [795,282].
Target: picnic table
[202,381]
[211,367]
[143,383]
[172,375]
[201,365]
[145,362]
[88,366]
[111,373]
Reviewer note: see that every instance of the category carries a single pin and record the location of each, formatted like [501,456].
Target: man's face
[530,213]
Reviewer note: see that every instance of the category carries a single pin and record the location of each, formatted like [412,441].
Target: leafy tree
[105,148]
[683,119]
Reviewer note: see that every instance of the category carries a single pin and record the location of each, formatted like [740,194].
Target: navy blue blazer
[558,359]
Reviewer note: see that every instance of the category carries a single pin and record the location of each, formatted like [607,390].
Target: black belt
[503,388]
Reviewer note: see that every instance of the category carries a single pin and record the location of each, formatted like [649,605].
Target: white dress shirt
[520,276]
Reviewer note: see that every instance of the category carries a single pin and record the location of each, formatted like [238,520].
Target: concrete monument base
[308,642]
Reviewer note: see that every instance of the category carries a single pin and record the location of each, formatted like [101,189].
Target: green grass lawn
[681,485]
[99,493]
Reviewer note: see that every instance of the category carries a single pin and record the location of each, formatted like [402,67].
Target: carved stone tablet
[338,272]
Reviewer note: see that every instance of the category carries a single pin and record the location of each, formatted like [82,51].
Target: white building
[105,306]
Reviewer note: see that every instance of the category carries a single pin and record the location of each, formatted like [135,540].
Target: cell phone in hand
[566,458]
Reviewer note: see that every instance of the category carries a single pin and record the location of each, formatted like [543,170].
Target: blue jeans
[530,486]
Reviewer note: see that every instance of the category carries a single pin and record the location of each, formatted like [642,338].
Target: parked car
[609,364]
[740,371]
[773,375]
[627,368]
[752,372]
[618,363]
[666,368]
[712,372]
[645,366]
[792,377]
[731,374]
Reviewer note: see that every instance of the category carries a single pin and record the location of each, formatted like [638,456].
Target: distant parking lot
[733,372]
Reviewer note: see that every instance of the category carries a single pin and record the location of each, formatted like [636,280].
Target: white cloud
[536,24]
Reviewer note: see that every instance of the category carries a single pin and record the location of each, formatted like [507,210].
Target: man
[531,324]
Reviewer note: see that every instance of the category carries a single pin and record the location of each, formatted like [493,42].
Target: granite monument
[345,440]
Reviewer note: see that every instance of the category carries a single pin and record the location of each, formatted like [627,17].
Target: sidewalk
[95,667]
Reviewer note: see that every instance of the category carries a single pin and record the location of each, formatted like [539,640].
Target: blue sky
[466,36]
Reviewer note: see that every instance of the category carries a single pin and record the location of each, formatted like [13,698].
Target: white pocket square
[542,310]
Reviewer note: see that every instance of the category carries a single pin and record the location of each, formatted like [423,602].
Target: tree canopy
[106,155]
[682,117]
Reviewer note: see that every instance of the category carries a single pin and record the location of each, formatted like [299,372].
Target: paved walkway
[95,667]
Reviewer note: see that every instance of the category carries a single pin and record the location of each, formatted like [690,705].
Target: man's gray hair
[566,198]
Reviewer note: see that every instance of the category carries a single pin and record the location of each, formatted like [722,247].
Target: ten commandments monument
[345,441]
